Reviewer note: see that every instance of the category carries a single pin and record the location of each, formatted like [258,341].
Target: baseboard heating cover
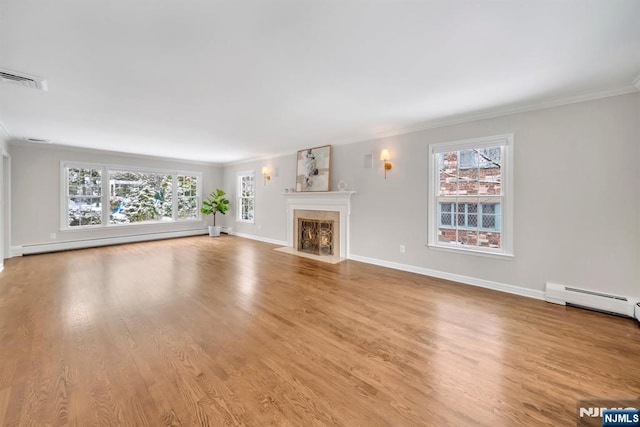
[584,298]
[101,241]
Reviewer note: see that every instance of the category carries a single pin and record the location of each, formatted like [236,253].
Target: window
[101,195]
[139,197]
[246,196]
[188,197]
[470,202]
[83,196]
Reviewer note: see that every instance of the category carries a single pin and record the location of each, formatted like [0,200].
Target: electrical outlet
[402,249]
[53,236]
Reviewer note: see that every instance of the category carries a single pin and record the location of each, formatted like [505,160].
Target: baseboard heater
[101,241]
[591,300]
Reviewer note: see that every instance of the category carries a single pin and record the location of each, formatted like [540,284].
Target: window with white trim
[246,196]
[470,197]
[102,195]
[83,196]
[137,197]
[188,197]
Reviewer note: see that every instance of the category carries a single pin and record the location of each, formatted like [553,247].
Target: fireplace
[316,232]
[315,236]
[332,207]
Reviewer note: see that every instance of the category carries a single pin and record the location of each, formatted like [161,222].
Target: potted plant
[216,202]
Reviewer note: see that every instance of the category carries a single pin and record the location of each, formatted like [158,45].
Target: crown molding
[416,127]
[489,114]
[57,146]
[462,118]
[259,159]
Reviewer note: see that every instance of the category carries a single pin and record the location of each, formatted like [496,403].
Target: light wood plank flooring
[207,332]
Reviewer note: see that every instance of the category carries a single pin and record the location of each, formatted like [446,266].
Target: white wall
[36,193]
[4,148]
[270,214]
[4,140]
[577,197]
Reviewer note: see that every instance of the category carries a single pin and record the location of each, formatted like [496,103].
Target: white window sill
[469,251]
[246,221]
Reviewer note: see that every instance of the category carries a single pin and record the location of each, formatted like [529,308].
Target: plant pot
[214,231]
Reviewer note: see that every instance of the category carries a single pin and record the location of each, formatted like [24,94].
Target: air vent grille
[584,291]
[22,79]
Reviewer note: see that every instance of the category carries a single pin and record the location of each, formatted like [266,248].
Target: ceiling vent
[39,140]
[22,79]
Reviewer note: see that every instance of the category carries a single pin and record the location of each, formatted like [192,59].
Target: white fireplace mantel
[333,201]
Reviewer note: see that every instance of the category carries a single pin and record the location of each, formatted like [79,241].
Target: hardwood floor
[207,332]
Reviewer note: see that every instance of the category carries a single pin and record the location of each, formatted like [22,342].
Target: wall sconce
[265,174]
[384,156]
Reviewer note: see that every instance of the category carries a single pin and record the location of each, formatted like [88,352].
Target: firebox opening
[315,236]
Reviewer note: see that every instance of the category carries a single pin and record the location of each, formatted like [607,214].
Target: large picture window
[101,195]
[246,196]
[470,197]
[139,197]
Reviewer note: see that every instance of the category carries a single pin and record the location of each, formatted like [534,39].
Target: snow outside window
[83,196]
[101,195]
[246,196]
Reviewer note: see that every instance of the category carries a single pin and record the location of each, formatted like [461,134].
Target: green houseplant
[215,202]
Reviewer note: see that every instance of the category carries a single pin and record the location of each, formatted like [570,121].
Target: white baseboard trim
[259,238]
[15,251]
[503,287]
[104,241]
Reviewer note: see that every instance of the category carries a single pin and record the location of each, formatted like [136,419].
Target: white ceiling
[222,81]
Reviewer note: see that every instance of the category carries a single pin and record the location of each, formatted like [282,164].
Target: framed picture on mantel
[313,171]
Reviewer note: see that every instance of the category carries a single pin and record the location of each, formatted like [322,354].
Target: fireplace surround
[323,206]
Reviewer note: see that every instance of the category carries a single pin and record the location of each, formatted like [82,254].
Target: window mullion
[174,197]
[106,197]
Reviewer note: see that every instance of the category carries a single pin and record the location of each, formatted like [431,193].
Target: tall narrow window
[470,195]
[246,196]
[83,196]
[187,197]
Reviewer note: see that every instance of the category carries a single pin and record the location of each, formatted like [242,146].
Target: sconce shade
[265,174]
[384,156]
